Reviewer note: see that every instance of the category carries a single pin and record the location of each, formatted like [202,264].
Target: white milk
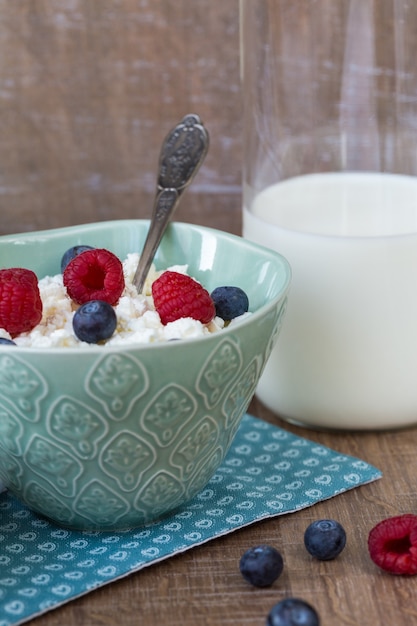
[347,353]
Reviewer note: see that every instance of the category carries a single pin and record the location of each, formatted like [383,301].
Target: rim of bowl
[92,348]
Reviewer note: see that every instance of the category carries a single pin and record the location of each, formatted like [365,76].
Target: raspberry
[71,253]
[20,300]
[176,295]
[95,274]
[392,544]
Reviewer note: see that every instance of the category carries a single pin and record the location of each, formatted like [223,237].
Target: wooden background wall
[88,90]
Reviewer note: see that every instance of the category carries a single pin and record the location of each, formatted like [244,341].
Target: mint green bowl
[109,438]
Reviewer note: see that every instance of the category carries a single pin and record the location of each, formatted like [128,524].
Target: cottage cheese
[138,322]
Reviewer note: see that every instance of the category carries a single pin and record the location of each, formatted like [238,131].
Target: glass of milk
[330,181]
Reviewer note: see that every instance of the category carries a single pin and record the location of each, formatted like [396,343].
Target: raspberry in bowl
[114,433]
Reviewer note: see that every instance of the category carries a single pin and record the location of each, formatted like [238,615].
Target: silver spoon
[182,153]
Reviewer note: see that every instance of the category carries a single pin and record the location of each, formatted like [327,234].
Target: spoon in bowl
[182,153]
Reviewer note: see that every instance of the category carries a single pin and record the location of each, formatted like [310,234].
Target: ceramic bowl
[110,438]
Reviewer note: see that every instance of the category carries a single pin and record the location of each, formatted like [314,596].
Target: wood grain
[88,89]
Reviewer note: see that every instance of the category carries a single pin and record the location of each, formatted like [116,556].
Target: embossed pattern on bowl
[110,438]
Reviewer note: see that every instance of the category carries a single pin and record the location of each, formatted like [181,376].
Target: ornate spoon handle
[182,153]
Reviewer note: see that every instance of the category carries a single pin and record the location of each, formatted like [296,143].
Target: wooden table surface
[88,89]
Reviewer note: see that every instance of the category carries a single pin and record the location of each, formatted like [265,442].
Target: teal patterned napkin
[267,472]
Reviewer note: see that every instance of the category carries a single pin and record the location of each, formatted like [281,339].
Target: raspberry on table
[325,539]
[177,295]
[261,566]
[95,274]
[20,300]
[392,544]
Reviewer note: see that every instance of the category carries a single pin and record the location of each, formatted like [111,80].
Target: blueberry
[230,302]
[325,539]
[94,321]
[261,566]
[71,253]
[8,342]
[293,612]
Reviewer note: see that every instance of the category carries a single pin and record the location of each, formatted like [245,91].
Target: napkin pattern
[267,472]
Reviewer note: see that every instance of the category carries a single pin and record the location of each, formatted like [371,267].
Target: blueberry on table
[325,539]
[293,612]
[261,566]
[230,302]
[8,342]
[71,253]
[94,321]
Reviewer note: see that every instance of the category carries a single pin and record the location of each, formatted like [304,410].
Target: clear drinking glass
[330,181]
